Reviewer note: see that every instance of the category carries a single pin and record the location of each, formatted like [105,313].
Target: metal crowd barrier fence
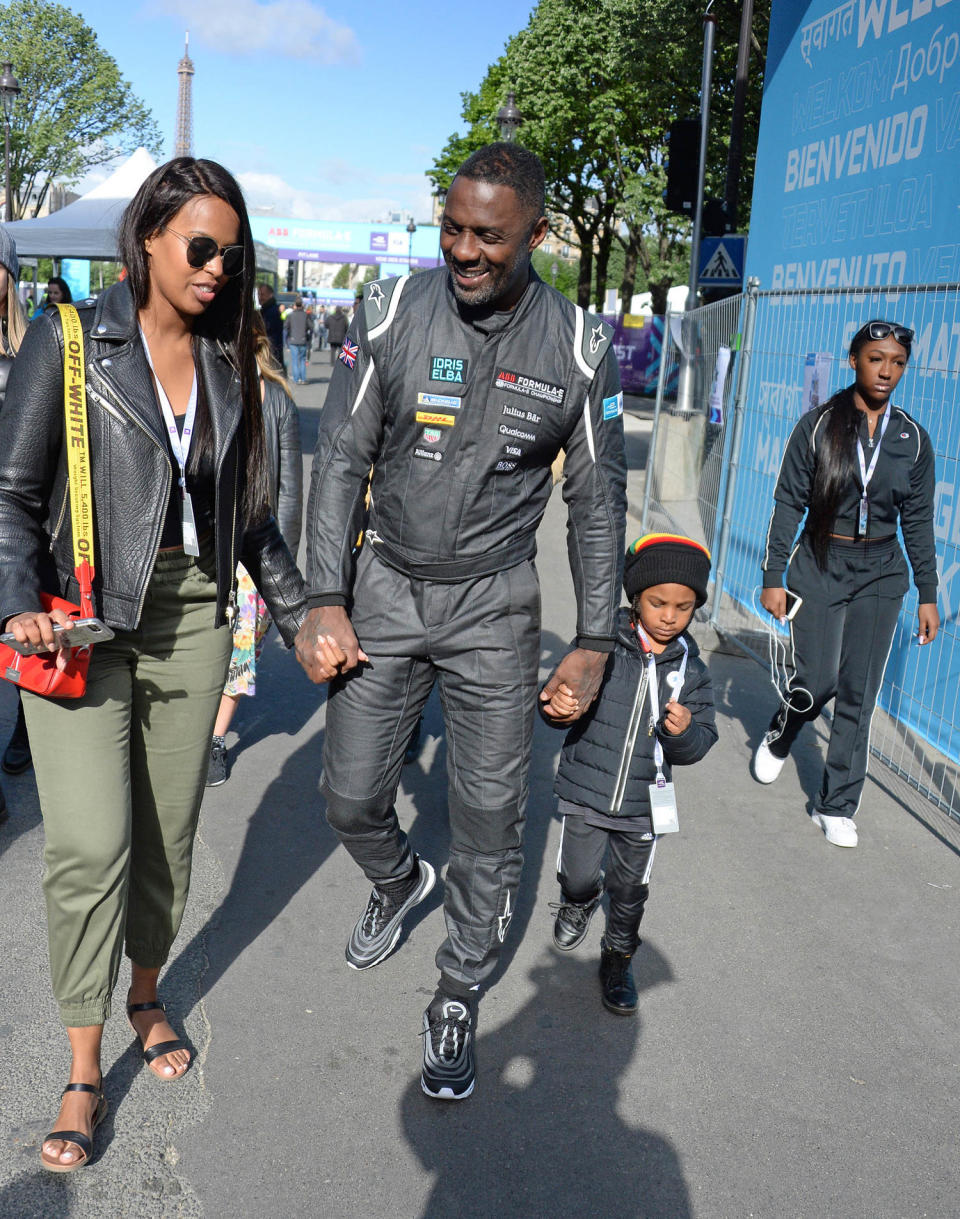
[715,481]
[685,469]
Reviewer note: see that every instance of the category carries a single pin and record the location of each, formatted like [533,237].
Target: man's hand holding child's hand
[562,704]
[676,718]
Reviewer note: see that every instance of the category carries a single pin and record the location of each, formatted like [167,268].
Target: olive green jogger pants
[120,775]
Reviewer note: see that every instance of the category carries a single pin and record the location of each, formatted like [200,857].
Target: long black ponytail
[834,469]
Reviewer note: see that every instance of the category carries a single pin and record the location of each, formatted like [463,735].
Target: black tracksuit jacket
[900,493]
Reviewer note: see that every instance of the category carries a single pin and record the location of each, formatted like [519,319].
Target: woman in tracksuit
[859,467]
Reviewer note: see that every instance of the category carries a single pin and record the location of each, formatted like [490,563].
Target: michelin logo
[429,454]
[438,400]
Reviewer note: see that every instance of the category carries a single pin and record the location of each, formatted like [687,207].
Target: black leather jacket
[131,475]
[462,415]
[281,423]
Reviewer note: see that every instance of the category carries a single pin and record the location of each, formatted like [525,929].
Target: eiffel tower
[184,142]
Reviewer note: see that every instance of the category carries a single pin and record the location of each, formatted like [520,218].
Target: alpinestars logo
[375,294]
[596,338]
[504,919]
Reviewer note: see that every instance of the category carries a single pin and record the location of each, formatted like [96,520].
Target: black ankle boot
[616,981]
[573,919]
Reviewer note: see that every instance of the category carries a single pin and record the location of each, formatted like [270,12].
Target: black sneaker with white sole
[449,1072]
[217,765]
[378,930]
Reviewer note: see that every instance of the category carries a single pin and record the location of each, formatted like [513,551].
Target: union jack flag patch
[348,353]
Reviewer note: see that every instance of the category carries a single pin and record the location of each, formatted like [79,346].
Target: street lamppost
[9,91]
[509,119]
[411,229]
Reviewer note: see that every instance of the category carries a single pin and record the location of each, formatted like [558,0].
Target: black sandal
[77,1137]
[162,1047]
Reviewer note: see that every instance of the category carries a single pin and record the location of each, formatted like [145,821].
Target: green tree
[567,272]
[75,111]
[599,82]
[344,275]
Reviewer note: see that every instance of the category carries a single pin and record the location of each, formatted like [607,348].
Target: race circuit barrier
[787,353]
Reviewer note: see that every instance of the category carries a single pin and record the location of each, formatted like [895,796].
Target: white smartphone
[85,632]
[793,604]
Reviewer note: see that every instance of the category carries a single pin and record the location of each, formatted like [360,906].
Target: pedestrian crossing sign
[722,260]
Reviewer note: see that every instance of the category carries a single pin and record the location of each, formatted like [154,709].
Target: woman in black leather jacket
[181,494]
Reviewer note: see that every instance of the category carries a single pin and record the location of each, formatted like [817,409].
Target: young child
[626,742]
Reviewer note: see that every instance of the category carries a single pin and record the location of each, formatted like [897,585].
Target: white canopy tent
[86,228]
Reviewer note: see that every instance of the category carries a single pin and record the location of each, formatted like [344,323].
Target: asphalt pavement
[795,1051]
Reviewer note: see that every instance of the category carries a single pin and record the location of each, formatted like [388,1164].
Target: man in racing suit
[459,387]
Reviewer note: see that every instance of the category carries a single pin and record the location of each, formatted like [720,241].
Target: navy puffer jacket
[596,747]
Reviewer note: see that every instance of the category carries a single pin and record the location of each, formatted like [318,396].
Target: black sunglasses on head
[881,330]
[201,250]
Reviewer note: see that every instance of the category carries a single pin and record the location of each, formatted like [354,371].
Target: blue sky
[321,111]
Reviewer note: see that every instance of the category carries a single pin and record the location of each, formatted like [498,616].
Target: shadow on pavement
[542,1134]
[752,702]
[286,841]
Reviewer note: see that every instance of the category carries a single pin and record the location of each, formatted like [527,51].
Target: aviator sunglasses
[201,250]
[880,330]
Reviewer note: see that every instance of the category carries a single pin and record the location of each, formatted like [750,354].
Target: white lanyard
[180,445]
[655,692]
[866,473]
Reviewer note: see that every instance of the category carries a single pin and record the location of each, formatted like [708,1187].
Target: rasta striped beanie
[666,558]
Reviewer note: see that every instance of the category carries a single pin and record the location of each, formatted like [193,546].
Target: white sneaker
[766,767]
[841,831]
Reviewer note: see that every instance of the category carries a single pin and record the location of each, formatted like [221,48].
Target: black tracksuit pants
[627,882]
[841,639]
[480,641]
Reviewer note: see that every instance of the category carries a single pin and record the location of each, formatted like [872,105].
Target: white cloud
[361,196]
[296,29]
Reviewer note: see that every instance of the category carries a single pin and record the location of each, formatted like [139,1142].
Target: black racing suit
[460,416]
[842,633]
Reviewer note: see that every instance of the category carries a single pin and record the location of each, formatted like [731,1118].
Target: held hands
[326,644]
[774,601]
[929,623]
[573,685]
[676,717]
[38,629]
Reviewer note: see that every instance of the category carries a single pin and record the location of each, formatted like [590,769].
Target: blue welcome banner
[856,204]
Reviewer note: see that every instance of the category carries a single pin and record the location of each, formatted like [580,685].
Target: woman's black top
[200,485]
[900,493]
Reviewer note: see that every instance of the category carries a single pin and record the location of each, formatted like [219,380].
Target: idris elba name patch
[452,369]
